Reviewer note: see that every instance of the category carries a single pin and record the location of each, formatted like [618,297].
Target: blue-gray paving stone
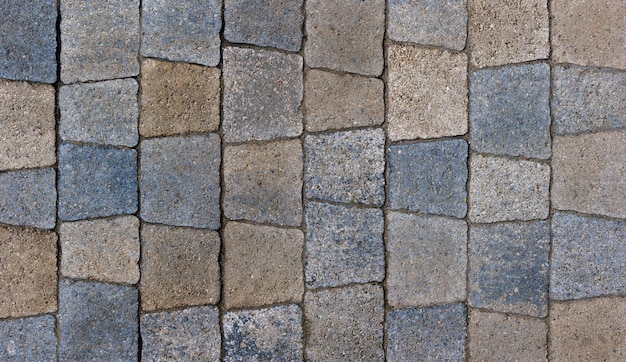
[97,322]
[588,257]
[182,30]
[509,267]
[429,177]
[28,198]
[346,167]
[28,40]
[270,334]
[428,334]
[28,339]
[180,181]
[344,244]
[103,112]
[96,181]
[510,111]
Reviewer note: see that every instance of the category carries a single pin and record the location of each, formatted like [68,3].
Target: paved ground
[312,179]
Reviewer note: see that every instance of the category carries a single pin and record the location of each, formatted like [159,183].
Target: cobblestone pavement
[319,180]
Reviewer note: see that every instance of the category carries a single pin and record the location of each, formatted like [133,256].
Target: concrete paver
[28,339]
[29,198]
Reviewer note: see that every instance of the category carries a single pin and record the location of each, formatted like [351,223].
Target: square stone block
[28,198]
[28,339]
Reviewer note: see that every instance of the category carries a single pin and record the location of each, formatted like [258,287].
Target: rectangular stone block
[28,339]
[28,198]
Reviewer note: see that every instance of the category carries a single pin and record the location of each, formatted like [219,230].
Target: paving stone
[588,330]
[429,177]
[27,122]
[28,40]
[178,98]
[28,198]
[179,267]
[587,176]
[263,183]
[270,334]
[182,188]
[503,32]
[588,257]
[188,334]
[262,265]
[510,110]
[276,24]
[431,22]
[589,32]
[187,31]
[262,95]
[508,267]
[426,260]
[97,322]
[335,101]
[344,244]
[28,339]
[346,166]
[587,99]
[100,39]
[430,334]
[96,181]
[103,112]
[345,35]
[505,337]
[502,189]
[427,93]
[105,250]
[28,272]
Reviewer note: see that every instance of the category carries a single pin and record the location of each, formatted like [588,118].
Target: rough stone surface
[503,32]
[345,35]
[430,334]
[100,39]
[271,334]
[427,93]
[103,112]
[508,267]
[262,95]
[179,267]
[510,110]
[28,198]
[345,324]
[590,173]
[96,181]
[105,250]
[344,244]
[27,122]
[187,31]
[429,177]
[180,181]
[346,167]
[97,322]
[178,98]
[28,339]
[263,183]
[188,334]
[335,101]
[501,189]
[426,260]
[262,265]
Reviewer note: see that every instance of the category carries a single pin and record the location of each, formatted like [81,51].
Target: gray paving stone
[104,112]
[510,110]
[188,334]
[97,322]
[588,257]
[182,188]
[429,177]
[28,339]
[270,334]
[508,267]
[28,198]
[429,334]
[275,24]
[100,39]
[346,166]
[28,40]
[344,244]
[96,181]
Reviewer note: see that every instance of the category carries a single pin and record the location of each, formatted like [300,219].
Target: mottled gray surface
[28,339]
[28,198]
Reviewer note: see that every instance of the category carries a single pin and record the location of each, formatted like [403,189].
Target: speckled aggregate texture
[28,339]
[29,198]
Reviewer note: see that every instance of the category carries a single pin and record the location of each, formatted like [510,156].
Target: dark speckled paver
[28,198]
[28,339]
